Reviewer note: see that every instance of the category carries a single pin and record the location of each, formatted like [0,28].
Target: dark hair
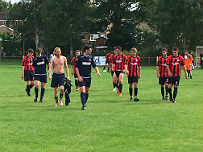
[86,47]
[187,51]
[39,50]
[175,49]
[30,50]
[164,49]
[114,48]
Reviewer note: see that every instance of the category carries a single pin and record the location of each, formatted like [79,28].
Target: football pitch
[110,123]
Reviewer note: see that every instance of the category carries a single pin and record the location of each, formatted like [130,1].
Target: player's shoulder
[180,56]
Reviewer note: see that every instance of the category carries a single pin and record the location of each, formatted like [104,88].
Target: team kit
[34,72]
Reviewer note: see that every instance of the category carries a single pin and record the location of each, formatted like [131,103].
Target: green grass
[110,124]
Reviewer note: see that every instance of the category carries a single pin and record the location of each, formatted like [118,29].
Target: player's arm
[184,69]
[50,68]
[139,71]
[22,75]
[157,71]
[97,71]
[78,74]
[66,67]
[169,71]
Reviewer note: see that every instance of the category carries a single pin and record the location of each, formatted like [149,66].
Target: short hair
[56,48]
[187,51]
[175,49]
[77,51]
[86,47]
[133,49]
[119,47]
[30,50]
[39,50]
[114,48]
[164,49]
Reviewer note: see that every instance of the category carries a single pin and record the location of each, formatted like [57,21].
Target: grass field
[110,123]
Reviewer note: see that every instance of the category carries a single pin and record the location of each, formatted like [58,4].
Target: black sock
[162,91]
[42,93]
[175,91]
[28,88]
[56,99]
[104,68]
[131,91]
[36,92]
[86,97]
[135,92]
[76,83]
[170,92]
[82,96]
[116,85]
[166,88]
[61,96]
[120,87]
[67,99]
[31,86]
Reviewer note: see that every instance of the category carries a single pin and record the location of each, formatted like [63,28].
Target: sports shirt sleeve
[93,62]
[24,61]
[78,62]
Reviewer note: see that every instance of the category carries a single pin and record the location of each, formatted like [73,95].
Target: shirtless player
[58,63]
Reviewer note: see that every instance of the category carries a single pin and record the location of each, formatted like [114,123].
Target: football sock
[115,85]
[166,88]
[162,91]
[170,93]
[120,87]
[82,96]
[31,86]
[175,91]
[56,99]
[67,99]
[135,92]
[36,92]
[131,91]
[42,93]
[28,88]
[86,97]
[61,96]
[104,68]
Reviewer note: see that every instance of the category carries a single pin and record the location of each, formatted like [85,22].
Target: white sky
[12,1]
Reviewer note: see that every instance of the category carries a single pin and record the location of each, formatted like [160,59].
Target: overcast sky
[12,1]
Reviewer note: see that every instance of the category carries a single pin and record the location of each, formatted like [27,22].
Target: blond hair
[133,50]
[56,48]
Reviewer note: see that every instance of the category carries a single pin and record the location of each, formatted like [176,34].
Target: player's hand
[186,75]
[139,76]
[170,75]
[98,74]
[68,78]
[158,75]
[80,79]
[22,76]
[127,72]
[72,72]
[50,77]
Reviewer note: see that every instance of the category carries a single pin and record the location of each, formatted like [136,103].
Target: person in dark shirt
[162,72]
[173,66]
[73,61]
[27,70]
[40,73]
[83,71]
[133,67]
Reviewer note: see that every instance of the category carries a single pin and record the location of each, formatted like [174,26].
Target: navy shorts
[86,82]
[28,75]
[174,80]
[57,80]
[118,73]
[163,80]
[41,78]
[133,79]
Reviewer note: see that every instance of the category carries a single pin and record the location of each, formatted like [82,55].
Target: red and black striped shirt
[112,57]
[133,65]
[73,63]
[108,55]
[119,61]
[28,63]
[174,64]
[161,63]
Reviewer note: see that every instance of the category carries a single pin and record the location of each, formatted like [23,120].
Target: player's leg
[86,94]
[175,91]
[82,97]
[28,88]
[115,78]
[36,90]
[120,81]
[42,91]
[162,91]
[169,88]
[32,83]
[188,73]
[104,66]
[166,88]
[130,91]
[61,95]
[56,95]
[135,80]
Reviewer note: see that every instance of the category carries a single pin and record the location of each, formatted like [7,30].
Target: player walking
[83,71]
[58,63]
[119,68]
[162,72]
[27,70]
[188,63]
[40,73]
[107,61]
[173,66]
[77,53]
[133,67]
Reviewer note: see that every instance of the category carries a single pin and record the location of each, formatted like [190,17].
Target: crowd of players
[34,72]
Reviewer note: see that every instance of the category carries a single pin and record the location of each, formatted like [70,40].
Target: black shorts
[75,75]
[118,73]
[107,61]
[174,80]
[163,80]
[28,75]
[86,82]
[57,80]
[132,79]
[41,78]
